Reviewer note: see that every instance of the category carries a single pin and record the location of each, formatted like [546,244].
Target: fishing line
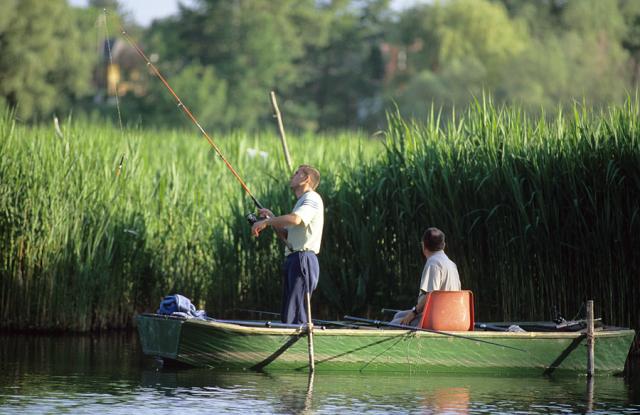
[116,85]
[106,30]
[192,118]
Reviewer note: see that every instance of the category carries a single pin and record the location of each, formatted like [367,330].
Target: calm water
[108,375]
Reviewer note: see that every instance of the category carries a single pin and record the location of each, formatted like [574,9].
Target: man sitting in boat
[439,273]
[302,232]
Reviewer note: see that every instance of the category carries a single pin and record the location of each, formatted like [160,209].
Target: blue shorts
[300,274]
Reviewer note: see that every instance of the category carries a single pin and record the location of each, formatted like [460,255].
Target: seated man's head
[432,240]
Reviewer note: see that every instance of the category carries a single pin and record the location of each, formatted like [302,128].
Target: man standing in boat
[439,273]
[302,232]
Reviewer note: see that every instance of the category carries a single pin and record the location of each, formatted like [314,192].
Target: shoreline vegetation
[540,214]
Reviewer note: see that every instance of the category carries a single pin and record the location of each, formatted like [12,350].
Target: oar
[402,326]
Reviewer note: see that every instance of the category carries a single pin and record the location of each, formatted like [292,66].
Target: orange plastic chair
[448,311]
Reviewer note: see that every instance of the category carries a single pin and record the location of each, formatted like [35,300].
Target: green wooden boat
[232,345]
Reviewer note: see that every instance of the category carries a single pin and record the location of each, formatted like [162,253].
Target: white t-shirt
[308,235]
[440,273]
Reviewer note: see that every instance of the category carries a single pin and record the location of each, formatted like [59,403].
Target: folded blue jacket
[180,305]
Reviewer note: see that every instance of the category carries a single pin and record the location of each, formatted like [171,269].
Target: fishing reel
[251,218]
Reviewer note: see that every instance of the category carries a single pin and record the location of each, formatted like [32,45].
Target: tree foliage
[252,45]
[204,95]
[334,64]
[463,48]
[44,58]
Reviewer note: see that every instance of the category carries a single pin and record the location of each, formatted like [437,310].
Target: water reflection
[453,399]
[589,397]
[108,375]
[286,392]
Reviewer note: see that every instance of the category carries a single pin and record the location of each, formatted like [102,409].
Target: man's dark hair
[433,239]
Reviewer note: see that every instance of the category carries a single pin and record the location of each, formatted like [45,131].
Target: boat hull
[232,346]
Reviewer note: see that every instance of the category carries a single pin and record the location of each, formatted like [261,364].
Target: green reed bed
[539,213]
[83,247]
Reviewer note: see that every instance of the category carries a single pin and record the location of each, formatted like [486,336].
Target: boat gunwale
[378,332]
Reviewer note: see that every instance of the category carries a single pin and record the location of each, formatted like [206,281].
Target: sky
[144,11]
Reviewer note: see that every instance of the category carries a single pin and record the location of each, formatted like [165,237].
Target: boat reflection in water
[340,392]
[453,399]
[109,374]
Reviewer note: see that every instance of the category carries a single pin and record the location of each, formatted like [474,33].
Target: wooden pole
[310,334]
[283,138]
[590,385]
[308,400]
[590,340]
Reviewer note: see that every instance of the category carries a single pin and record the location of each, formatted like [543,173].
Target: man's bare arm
[279,223]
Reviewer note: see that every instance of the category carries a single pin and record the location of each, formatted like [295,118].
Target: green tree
[536,54]
[252,46]
[582,60]
[45,59]
[630,9]
[322,58]
[200,90]
[455,50]
[344,71]
[542,17]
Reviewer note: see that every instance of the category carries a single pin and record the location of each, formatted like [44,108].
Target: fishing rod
[390,310]
[379,323]
[314,320]
[250,217]
[265,324]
